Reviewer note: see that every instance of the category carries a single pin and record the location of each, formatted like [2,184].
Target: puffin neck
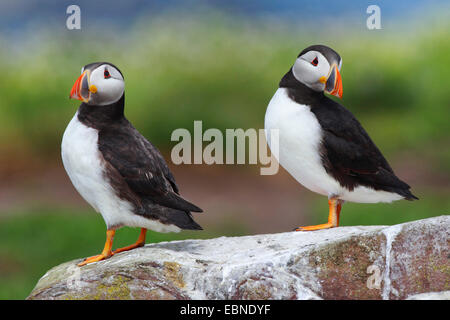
[299,92]
[100,116]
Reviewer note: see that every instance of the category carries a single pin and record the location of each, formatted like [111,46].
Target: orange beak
[80,89]
[334,82]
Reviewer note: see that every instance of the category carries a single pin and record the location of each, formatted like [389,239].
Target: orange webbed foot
[316,227]
[96,258]
[106,253]
[334,206]
[139,243]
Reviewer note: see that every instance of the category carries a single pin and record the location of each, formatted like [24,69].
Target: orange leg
[335,206]
[139,243]
[106,253]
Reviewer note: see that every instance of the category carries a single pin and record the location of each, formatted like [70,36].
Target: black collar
[100,116]
[299,92]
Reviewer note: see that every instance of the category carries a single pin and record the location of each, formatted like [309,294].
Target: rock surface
[370,262]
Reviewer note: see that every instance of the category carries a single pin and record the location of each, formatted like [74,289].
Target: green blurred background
[221,64]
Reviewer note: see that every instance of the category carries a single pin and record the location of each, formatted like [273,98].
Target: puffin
[114,168]
[321,143]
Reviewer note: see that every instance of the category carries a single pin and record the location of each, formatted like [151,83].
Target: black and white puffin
[114,168]
[321,144]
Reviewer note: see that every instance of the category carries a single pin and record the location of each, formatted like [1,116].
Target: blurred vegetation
[222,71]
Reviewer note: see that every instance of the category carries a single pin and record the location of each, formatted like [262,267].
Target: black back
[348,153]
[135,168]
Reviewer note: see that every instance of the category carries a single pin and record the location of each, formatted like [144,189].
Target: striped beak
[82,89]
[333,85]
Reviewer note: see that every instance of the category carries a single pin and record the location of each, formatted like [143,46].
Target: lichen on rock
[406,261]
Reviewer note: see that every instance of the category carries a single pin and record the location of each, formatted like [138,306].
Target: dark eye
[315,62]
[106,74]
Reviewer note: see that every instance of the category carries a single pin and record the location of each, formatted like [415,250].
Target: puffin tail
[183,220]
[407,195]
[175,201]
[192,225]
[184,204]
[410,197]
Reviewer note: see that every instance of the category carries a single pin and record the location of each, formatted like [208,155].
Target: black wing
[141,166]
[349,154]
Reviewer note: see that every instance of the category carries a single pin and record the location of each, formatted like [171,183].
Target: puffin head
[317,67]
[100,83]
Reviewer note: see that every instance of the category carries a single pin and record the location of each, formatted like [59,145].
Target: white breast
[299,143]
[299,150]
[83,163]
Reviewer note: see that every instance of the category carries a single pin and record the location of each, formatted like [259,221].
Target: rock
[444,295]
[409,260]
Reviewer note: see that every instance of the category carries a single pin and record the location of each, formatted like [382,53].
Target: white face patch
[109,83]
[309,68]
